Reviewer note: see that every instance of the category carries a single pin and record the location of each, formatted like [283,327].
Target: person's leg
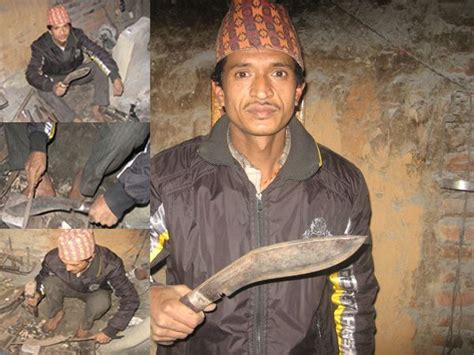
[59,106]
[117,142]
[18,145]
[97,304]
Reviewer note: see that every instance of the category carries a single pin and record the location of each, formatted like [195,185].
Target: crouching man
[79,268]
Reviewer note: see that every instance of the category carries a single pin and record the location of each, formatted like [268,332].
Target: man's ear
[218,93]
[299,93]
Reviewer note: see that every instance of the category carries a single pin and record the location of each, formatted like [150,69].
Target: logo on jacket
[93,287]
[318,228]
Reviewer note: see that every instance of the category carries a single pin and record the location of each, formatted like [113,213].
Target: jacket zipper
[259,290]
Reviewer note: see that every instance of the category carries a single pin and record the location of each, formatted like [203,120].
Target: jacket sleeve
[103,59]
[128,301]
[158,230]
[132,186]
[40,134]
[355,286]
[43,273]
[34,71]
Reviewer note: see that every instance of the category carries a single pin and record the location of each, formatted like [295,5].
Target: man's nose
[261,87]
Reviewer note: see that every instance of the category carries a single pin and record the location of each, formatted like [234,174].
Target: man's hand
[102,338]
[35,167]
[59,88]
[170,319]
[33,301]
[101,213]
[118,87]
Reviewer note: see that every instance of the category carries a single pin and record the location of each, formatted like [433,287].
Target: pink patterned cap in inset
[58,15]
[76,244]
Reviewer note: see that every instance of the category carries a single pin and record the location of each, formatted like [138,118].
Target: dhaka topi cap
[257,24]
[57,15]
[76,244]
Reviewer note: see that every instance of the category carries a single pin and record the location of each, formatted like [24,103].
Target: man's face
[259,91]
[60,33]
[76,267]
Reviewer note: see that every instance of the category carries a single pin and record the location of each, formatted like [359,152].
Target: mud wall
[21,23]
[380,96]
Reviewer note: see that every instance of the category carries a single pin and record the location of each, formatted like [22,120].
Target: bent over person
[78,268]
[257,179]
[60,51]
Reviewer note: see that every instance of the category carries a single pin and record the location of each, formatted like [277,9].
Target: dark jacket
[49,63]
[40,134]
[203,202]
[132,186]
[110,275]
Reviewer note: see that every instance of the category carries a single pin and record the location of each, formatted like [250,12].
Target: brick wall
[453,249]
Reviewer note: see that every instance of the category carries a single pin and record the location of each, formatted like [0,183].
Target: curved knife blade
[43,204]
[280,260]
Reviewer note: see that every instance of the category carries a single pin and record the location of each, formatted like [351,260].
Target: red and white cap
[58,15]
[76,244]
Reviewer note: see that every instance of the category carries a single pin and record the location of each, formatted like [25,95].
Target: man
[27,148]
[258,179]
[79,268]
[60,51]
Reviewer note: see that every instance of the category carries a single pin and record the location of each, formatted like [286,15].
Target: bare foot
[52,323]
[75,193]
[44,188]
[98,115]
[82,333]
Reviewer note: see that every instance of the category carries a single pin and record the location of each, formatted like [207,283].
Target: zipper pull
[259,202]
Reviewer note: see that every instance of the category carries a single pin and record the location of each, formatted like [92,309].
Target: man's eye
[241,74]
[280,74]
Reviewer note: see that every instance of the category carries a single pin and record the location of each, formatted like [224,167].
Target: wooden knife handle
[195,300]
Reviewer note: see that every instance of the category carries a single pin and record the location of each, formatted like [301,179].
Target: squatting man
[79,268]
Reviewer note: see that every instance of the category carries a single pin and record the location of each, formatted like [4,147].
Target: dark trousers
[97,302]
[116,143]
[101,93]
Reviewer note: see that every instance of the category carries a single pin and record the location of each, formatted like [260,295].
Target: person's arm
[103,59]
[131,188]
[128,301]
[355,286]
[39,135]
[34,72]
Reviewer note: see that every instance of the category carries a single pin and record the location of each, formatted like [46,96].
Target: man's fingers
[210,308]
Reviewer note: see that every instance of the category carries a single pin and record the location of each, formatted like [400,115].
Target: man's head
[59,24]
[76,249]
[259,73]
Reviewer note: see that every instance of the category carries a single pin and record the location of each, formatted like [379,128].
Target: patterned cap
[257,24]
[76,244]
[58,15]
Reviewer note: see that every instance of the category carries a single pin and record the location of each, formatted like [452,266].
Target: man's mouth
[261,110]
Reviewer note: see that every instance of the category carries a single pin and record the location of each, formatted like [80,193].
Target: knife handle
[195,300]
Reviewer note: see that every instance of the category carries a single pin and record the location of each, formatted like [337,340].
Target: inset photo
[82,61]
[74,175]
[75,291]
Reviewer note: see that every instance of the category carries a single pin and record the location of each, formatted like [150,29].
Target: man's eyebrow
[274,65]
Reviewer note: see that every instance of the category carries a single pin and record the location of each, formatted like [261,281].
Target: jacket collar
[303,161]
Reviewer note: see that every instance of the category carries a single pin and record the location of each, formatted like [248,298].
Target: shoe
[76,74]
